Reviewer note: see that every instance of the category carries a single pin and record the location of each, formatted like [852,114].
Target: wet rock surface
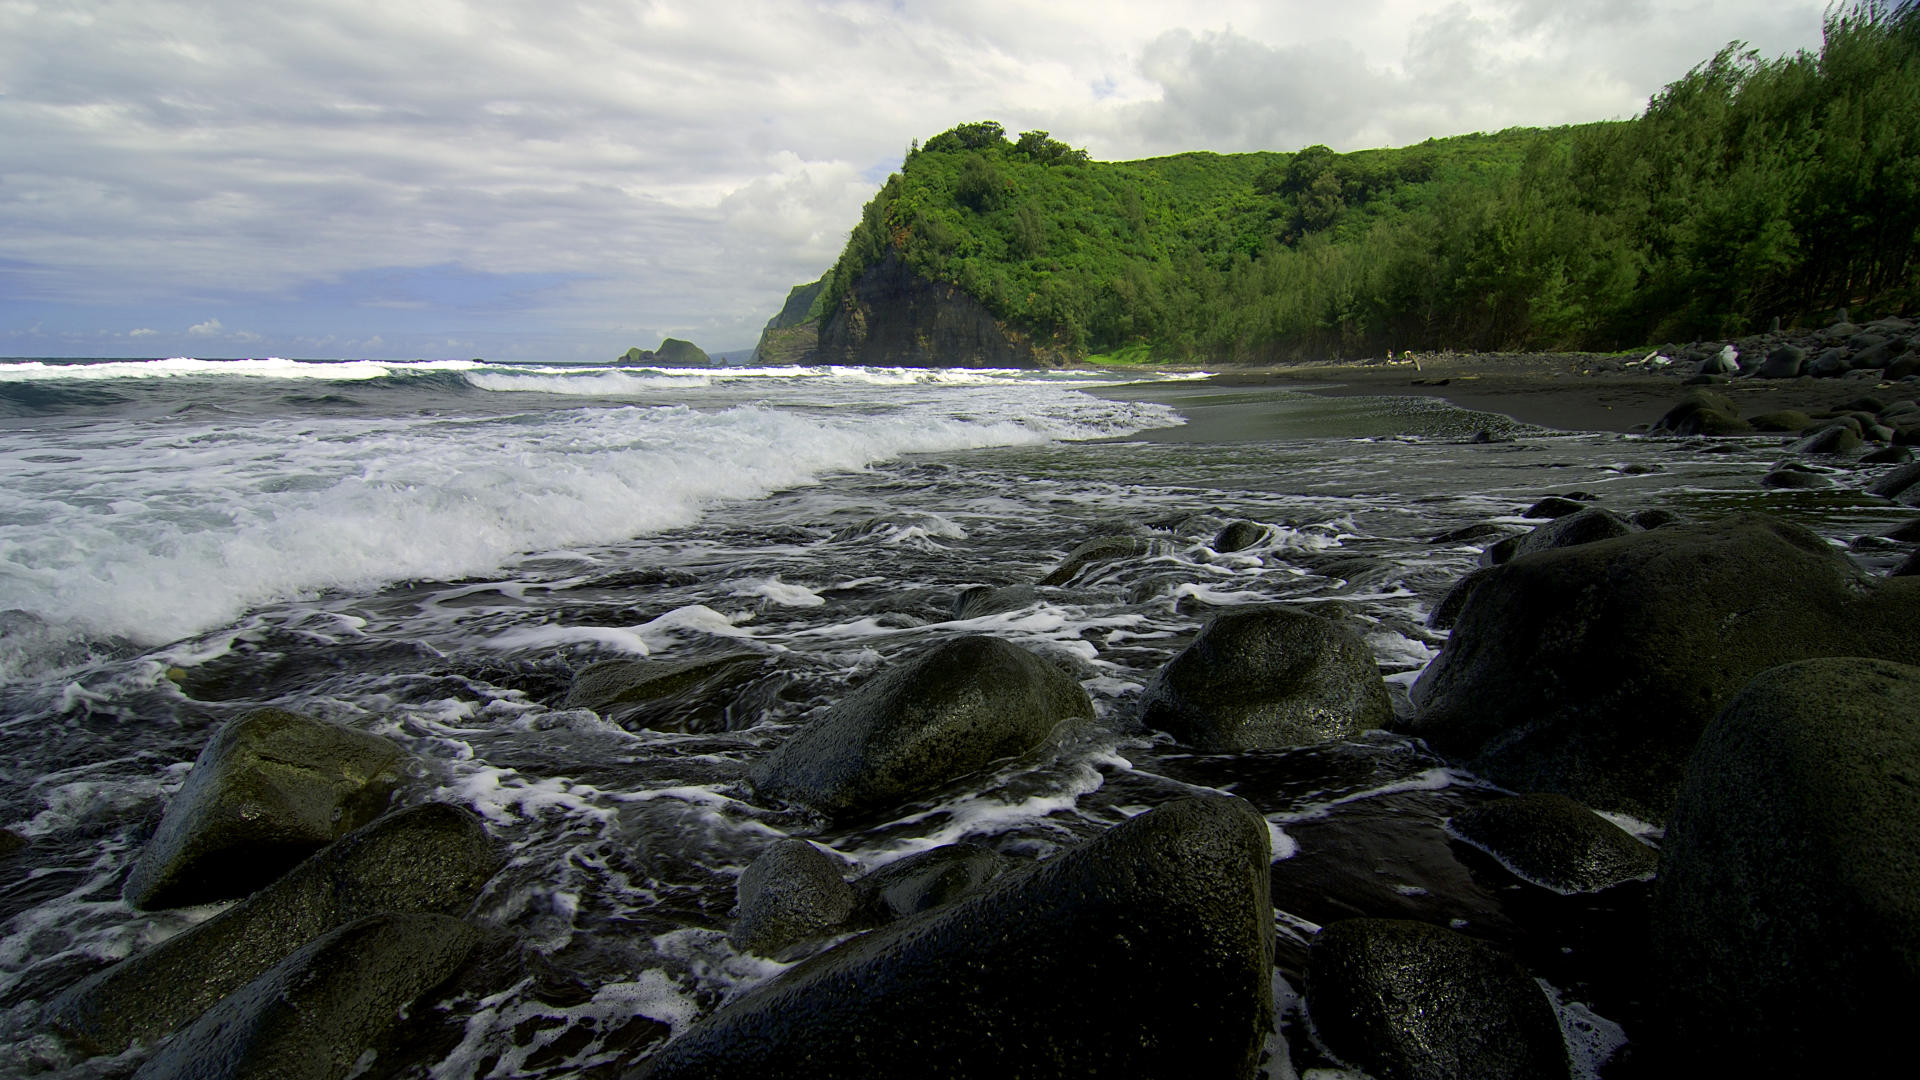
[1146,952]
[1410,1001]
[1591,670]
[429,859]
[320,1013]
[944,714]
[792,894]
[1555,842]
[1787,913]
[269,789]
[1264,677]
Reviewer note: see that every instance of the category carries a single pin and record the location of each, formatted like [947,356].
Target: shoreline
[1538,389]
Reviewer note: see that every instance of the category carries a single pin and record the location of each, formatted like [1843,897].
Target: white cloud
[142,332]
[685,162]
[210,328]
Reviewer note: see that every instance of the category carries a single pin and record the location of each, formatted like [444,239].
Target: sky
[558,180]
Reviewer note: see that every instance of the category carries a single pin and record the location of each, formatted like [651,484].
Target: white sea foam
[272,367]
[155,532]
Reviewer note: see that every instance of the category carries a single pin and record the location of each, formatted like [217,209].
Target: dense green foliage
[1750,189]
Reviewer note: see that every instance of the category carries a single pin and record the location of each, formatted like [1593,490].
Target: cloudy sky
[560,179]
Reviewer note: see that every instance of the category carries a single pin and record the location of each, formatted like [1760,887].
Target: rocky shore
[1735,688]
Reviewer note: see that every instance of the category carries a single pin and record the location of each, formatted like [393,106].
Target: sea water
[430,550]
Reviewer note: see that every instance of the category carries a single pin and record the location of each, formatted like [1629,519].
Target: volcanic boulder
[1145,952]
[1409,1001]
[1556,843]
[1787,910]
[791,894]
[431,859]
[911,730]
[316,1014]
[1267,677]
[269,789]
[1591,670]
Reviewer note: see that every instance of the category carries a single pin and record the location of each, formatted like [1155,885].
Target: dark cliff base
[900,319]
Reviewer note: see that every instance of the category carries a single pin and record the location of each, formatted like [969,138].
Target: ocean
[430,550]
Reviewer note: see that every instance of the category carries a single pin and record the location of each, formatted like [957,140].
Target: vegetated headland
[1751,189]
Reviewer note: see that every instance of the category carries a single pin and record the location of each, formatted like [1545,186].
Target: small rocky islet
[1735,690]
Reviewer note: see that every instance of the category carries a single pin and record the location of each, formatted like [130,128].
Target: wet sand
[1546,390]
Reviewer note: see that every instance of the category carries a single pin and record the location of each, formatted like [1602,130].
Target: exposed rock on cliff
[793,335]
[893,317]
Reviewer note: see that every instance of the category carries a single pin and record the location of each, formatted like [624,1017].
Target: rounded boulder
[1410,1001]
[915,728]
[1267,677]
[268,789]
[1147,951]
[1787,910]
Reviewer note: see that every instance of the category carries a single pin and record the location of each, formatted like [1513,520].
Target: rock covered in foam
[1265,677]
[914,728]
[268,789]
[317,1014]
[1787,910]
[1144,952]
[1410,1001]
[431,859]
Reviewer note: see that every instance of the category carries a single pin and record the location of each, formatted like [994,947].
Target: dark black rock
[1098,551]
[1266,677]
[1784,362]
[1834,438]
[267,790]
[431,859]
[1781,420]
[1448,609]
[663,695]
[1655,518]
[1590,670]
[1892,485]
[1584,526]
[1787,911]
[790,895]
[1557,843]
[1831,363]
[914,728]
[316,1013]
[1483,531]
[1879,355]
[1909,568]
[1410,1001]
[1553,506]
[1908,533]
[1145,952]
[1799,479]
[1702,412]
[1239,535]
[983,600]
[926,881]
[11,842]
[1890,455]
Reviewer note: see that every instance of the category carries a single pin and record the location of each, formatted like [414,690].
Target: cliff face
[897,318]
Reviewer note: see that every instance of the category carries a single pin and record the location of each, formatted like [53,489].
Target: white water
[153,530]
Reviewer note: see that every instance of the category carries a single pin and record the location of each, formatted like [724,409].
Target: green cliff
[1750,189]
